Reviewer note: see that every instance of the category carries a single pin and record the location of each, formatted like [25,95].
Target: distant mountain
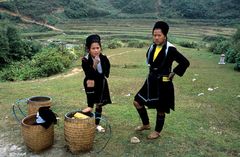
[56,10]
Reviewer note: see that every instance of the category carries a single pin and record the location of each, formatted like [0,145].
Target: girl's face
[158,37]
[95,49]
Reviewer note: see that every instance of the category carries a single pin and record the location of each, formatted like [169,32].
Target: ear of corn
[80,115]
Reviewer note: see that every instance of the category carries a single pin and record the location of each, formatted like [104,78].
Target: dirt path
[29,20]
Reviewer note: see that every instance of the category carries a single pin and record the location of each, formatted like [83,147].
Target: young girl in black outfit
[158,91]
[96,67]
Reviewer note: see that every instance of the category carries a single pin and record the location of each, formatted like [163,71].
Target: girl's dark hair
[161,25]
[92,39]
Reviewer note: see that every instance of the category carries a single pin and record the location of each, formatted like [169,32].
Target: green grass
[205,125]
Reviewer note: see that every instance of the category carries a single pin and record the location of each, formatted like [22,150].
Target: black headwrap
[161,25]
[92,39]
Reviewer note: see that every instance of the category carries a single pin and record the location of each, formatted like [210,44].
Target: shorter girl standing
[96,67]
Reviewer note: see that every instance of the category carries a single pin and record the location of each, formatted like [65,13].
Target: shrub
[214,41]
[212,46]
[113,44]
[188,44]
[22,70]
[230,56]
[237,65]
[14,47]
[96,11]
[50,63]
[4,48]
[230,48]
[31,48]
[213,38]
[222,47]
[137,43]
[43,64]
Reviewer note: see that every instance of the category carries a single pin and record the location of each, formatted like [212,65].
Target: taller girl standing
[157,91]
[96,67]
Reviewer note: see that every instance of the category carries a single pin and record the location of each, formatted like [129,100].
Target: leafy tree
[120,3]
[13,47]
[84,8]
[31,48]
[4,48]
[140,6]
[16,50]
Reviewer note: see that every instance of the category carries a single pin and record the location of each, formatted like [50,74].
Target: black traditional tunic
[100,92]
[155,92]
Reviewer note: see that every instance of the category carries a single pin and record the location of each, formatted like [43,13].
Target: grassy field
[206,125]
[125,29]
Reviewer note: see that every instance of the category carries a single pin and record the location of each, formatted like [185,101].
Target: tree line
[75,9]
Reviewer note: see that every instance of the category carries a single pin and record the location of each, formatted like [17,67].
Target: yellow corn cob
[80,115]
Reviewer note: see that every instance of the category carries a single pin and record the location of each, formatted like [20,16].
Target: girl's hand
[96,60]
[171,75]
[90,83]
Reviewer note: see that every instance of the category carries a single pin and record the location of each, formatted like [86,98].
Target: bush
[237,65]
[212,46]
[137,43]
[188,44]
[43,64]
[22,70]
[213,38]
[113,44]
[222,47]
[138,7]
[96,11]
[31,48]
[230,48]
[50,63]
[13,47]
[230,56]
[214,41]
[233,53]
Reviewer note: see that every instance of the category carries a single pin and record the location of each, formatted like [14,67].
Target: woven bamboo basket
[34,103]
[79,133]
[36,137]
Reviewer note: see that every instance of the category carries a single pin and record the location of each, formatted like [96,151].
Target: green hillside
[57,10]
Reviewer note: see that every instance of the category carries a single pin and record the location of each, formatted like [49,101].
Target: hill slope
[55,10]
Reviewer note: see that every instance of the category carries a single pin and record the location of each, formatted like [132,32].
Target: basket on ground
[36,137]
[79,133]
[35,102]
